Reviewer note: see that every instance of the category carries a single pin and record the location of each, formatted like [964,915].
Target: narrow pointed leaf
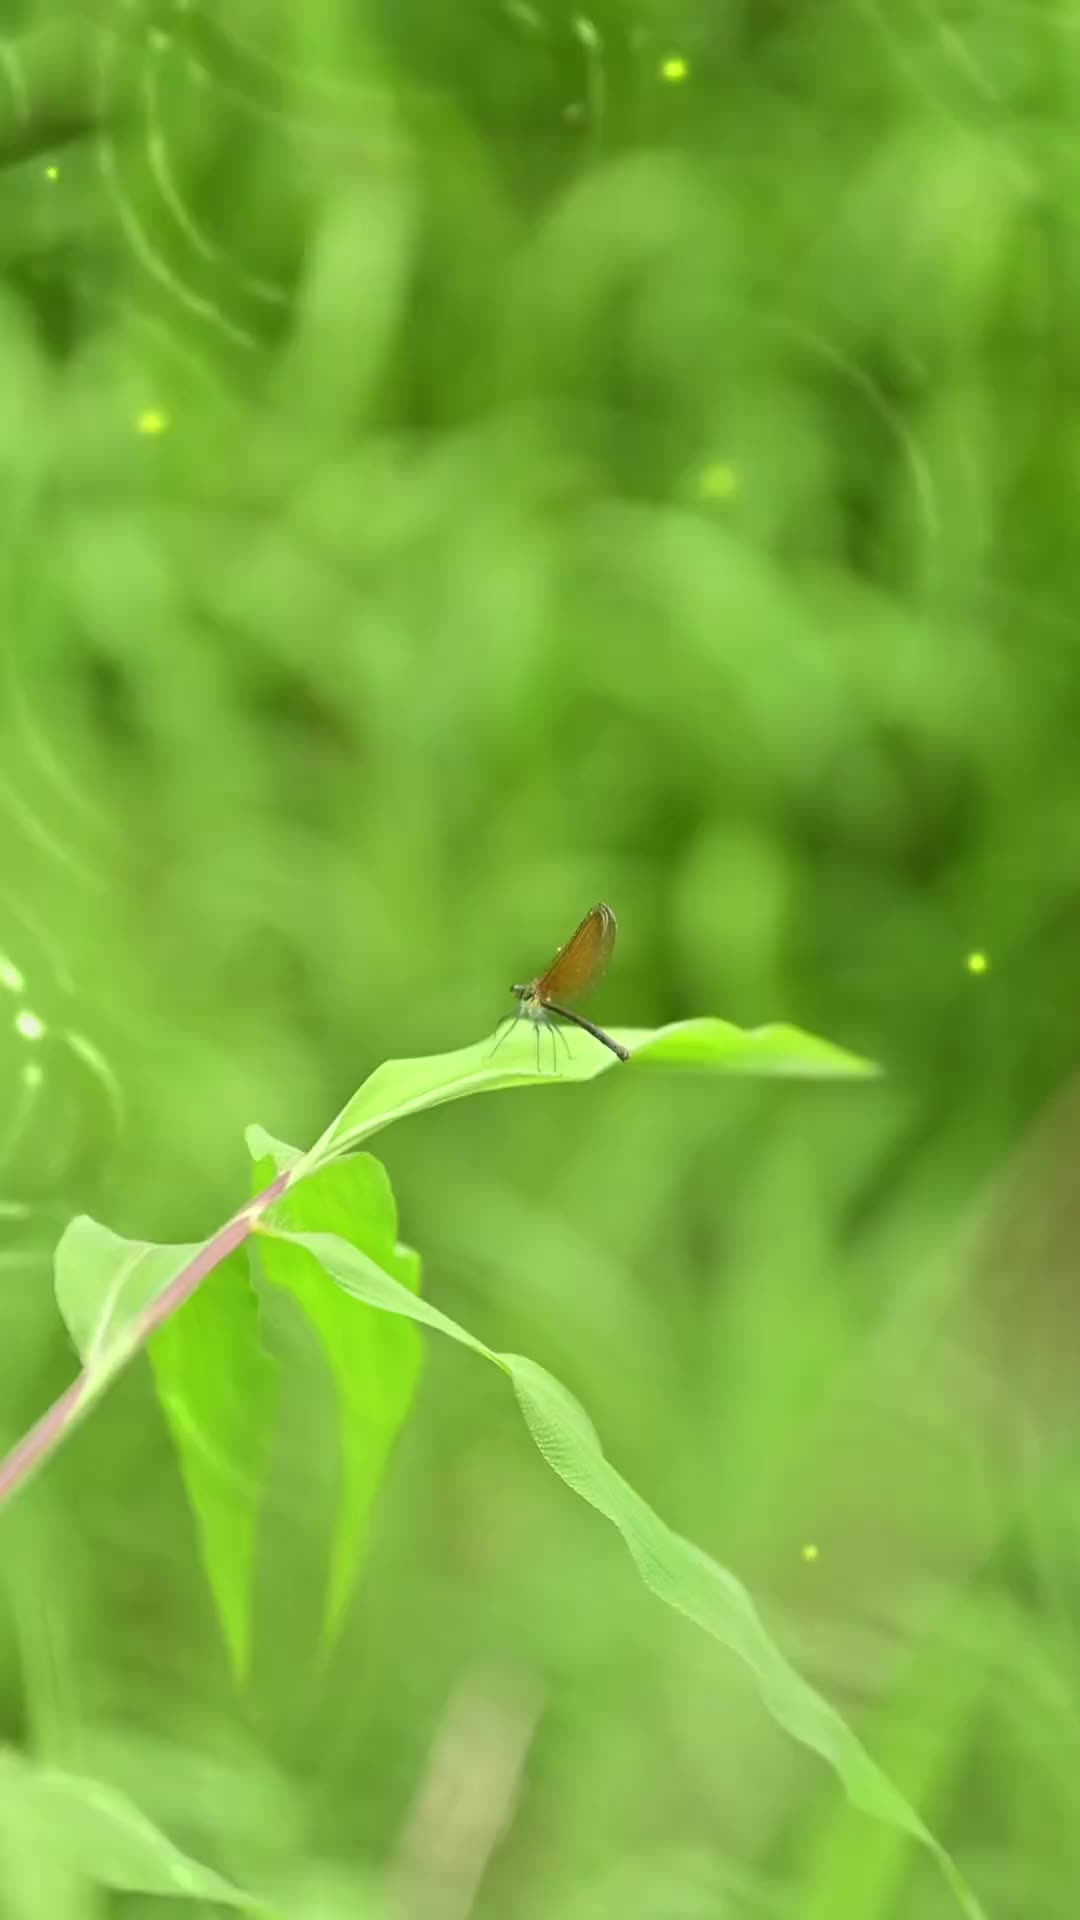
[375,1361]
[402,1087]
[101,1836]
[678,1572]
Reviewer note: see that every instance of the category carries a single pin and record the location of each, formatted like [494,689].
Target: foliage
[335,1221]
[459,463]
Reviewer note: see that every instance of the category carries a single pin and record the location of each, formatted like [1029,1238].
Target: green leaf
[678,1572]
[103,1284]
[263,1146]
[365,1281]
[217,1385]
[214,1381]
[401,1087]
[98,1834]
[375,1362]
[775,1051]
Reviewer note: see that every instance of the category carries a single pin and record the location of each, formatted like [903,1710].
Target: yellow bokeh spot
[152,420]
[28,1025]
[52,173]
[718,481]
[810,1552]
[977,962]
[674,69]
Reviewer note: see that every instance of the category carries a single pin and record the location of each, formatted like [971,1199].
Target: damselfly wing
[575,969]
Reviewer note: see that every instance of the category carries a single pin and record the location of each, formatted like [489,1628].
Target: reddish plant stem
[43,1438]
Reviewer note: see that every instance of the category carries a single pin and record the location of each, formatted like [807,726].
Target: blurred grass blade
[678,1572]
[213,1379]
[401,1087]
[375,1361]
[97,1834]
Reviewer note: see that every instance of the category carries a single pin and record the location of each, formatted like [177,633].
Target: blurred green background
[459,462]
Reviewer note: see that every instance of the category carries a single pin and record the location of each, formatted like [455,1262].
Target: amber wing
[582,962]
